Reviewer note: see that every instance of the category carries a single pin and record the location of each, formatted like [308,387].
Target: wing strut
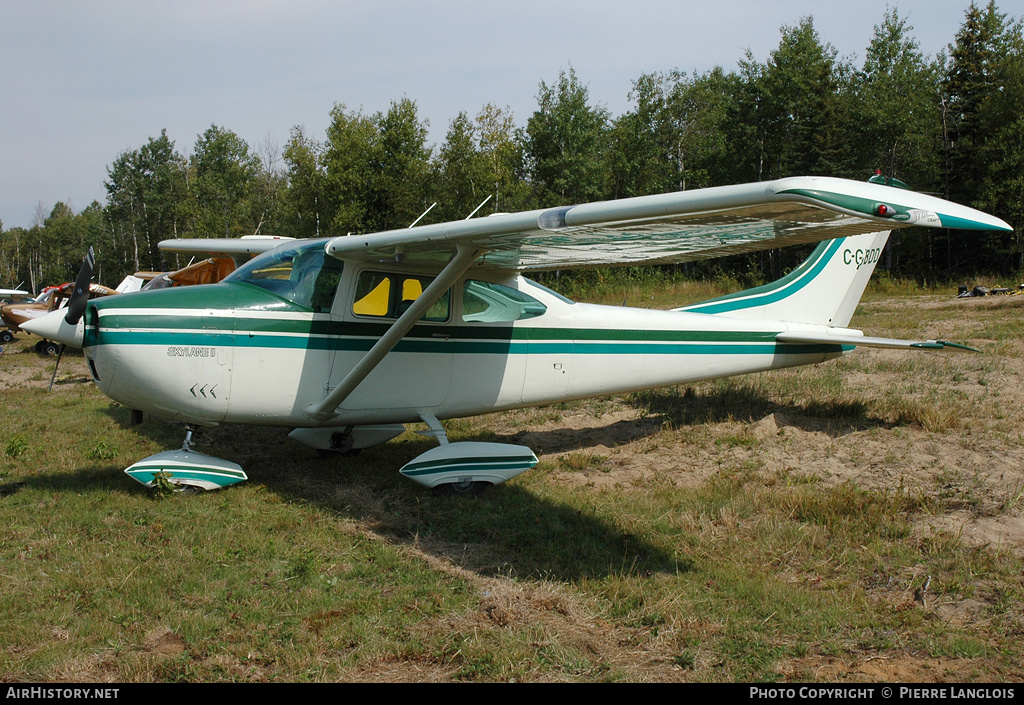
[452,271]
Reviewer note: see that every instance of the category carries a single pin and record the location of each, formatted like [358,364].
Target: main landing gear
[467,467]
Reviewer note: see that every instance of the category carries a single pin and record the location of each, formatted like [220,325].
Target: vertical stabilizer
[824,290]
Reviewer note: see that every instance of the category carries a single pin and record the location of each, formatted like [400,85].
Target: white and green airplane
[347,339]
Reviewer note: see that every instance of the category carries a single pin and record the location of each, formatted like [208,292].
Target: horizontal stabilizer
[865,341]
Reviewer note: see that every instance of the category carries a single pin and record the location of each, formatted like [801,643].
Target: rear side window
[484,302]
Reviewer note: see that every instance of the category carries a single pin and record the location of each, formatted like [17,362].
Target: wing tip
[989,223]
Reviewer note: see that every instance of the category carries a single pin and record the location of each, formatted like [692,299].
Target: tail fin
[824,290]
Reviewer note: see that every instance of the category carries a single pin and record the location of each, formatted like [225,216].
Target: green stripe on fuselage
[566,344]
[259,319]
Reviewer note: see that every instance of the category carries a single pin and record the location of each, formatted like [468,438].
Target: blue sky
[83,81]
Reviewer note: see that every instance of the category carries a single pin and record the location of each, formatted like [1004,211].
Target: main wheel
[48,348]
[463,489]
[6,336]
[350,453]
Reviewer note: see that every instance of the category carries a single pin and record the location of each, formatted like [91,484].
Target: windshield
[300,273]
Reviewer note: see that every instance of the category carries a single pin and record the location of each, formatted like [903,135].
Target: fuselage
[265,345]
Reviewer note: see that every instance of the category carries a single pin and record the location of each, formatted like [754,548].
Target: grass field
[856,521]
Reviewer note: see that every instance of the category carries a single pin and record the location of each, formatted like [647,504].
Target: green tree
[801,84]
[502,145]
[268,198]
[403,168]
[969,84]
[304,198]
[983,133]
[348,160]
[637,156]
[11,249]
[896,124]
[693,128]
[375,168]
[51,251]
[897,121]
[787,117]
[146,189]
[566,140]
[460,179]
[1001,189]
[225,187]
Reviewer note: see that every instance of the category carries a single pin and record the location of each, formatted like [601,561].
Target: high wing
[669,228]
[660,229]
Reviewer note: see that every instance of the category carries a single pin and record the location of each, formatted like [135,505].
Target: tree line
[952,125]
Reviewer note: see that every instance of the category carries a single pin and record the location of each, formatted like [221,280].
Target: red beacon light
[884,211]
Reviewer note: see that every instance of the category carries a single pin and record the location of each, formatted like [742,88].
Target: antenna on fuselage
[423,214]
[479,207]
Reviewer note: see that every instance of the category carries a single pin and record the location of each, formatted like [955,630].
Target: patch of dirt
[892,668]
[973,471]
[21,367]
[164,642]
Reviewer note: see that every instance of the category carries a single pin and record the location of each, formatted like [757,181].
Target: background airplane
[17,313]
[11,296]
[347,339]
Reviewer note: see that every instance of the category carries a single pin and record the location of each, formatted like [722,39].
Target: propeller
[79,301]
[80,294]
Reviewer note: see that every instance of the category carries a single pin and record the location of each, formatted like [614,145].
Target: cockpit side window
[389,295]
[325,284]
[302,274]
